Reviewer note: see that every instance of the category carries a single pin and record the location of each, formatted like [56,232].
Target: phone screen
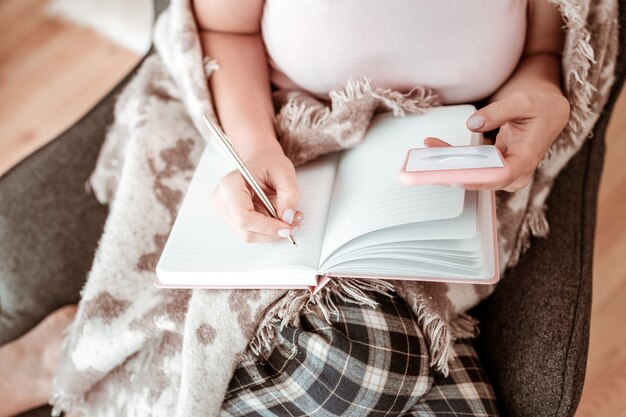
[453,158]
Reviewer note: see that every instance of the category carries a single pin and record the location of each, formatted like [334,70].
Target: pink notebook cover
[323,280]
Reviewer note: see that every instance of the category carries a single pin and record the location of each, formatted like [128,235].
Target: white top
[464,50]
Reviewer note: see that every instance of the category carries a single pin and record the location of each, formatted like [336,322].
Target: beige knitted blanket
[137,350]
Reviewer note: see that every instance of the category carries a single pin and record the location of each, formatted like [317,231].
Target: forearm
[537,72]
[241,90]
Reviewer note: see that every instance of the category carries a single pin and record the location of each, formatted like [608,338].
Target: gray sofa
[535,327]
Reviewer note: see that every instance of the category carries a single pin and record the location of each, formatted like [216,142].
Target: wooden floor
[605,383]
[52,72]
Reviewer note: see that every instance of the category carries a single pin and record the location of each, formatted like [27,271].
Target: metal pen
[229,149]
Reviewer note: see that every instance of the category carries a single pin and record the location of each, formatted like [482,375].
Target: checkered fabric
[366,362]
[466,392]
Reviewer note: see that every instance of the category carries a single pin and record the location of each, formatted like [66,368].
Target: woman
[507,52]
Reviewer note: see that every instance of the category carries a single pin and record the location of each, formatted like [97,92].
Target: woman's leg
[27,364]
[466,391]
[365,362]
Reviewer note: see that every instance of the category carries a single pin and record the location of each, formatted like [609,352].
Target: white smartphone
[482,164]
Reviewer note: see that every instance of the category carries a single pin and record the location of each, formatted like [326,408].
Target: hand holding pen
[259,198]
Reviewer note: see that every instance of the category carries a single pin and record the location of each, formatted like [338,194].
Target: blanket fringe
[286,311]
[415,101]
[440,335]
[464,326]
[580,91]
[301,114]
[210,65]
[298,116]
[61,404]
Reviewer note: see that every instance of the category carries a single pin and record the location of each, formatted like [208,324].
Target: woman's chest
[463,49]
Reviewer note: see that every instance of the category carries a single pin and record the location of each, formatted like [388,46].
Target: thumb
[287,194]
[498,113]
[433,142]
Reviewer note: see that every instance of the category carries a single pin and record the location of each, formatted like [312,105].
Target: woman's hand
[245,213]
[529,108]
[529,123]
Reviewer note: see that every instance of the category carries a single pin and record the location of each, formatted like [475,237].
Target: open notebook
[359,220]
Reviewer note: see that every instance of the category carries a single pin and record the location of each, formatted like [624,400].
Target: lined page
[436,234]
[202,242]
[368,195]
[410,261]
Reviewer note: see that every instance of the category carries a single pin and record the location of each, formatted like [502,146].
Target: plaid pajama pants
[366,362]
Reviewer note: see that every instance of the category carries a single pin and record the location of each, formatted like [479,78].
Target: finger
[432,142]
[519,183]
[297,219]
[287,194]
[521,158]
[519,169]
[512,188]
[496,114]
[219,205]
[243,216]
[493,186]
[516,184]
[518,176]
[501,184]
[244,235]
[254,237]
[260,208]
[476,187]
[501,141]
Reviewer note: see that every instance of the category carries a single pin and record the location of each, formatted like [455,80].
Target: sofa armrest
[49,223]
[535,327]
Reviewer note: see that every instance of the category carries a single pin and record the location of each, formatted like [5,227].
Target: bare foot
[27,364]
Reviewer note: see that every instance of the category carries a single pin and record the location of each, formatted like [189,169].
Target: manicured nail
[284,232]
[476,121]
[287,216]
[299,217]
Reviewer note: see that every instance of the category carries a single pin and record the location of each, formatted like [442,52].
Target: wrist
[258,147]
